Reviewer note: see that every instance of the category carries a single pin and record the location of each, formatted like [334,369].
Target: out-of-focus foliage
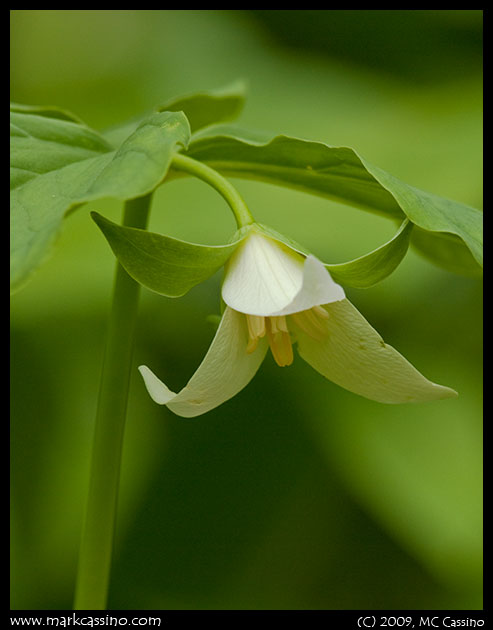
[295,494]
[409,45]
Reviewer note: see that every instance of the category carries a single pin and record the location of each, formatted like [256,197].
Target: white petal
[354,356]
[317,288]
[266,277]
[262,276]
[226,369]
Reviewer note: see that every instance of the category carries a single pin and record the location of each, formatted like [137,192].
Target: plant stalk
[99,526]
[200,170]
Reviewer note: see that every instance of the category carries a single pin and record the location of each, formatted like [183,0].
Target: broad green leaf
[41,144]
[201,109]
[143,159]
[436,214]
[333,172]
[58,164]
[337,173]
[446,250]
[45,110]
[205,108]
[366,270]
[166,265]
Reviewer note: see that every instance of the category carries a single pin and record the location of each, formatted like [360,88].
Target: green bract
[171,266]
[166,265]
[366,270]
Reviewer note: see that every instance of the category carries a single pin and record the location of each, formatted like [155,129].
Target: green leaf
[42,110]
[333,172]
[366,270]
[436,214]
[212,106]
[166,265]
[337,173]
[57,164]
[201,109]
[41,144]
[143,159]
[447,251]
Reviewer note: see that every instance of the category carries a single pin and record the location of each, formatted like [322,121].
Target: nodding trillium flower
[275,297]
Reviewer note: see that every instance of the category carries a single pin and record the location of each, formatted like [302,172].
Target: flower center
[311,321]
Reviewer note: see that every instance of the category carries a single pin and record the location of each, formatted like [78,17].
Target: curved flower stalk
[277,297]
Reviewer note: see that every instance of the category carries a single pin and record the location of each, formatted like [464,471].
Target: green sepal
[163,264]
[366,270]
[338,173]
[277,236]
[58,163]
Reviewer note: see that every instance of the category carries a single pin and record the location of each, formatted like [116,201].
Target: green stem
[99,526]
[228,191]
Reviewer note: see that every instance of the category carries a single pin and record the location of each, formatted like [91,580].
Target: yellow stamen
[252,345]
[278,324]
[256,329]
[312,322]
[256,326]
[279,341]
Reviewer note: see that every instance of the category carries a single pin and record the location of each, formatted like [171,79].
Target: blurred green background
[295,494]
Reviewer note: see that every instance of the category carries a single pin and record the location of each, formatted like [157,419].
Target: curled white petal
[317,288]
[266,277]
[353,355]
[225,370]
